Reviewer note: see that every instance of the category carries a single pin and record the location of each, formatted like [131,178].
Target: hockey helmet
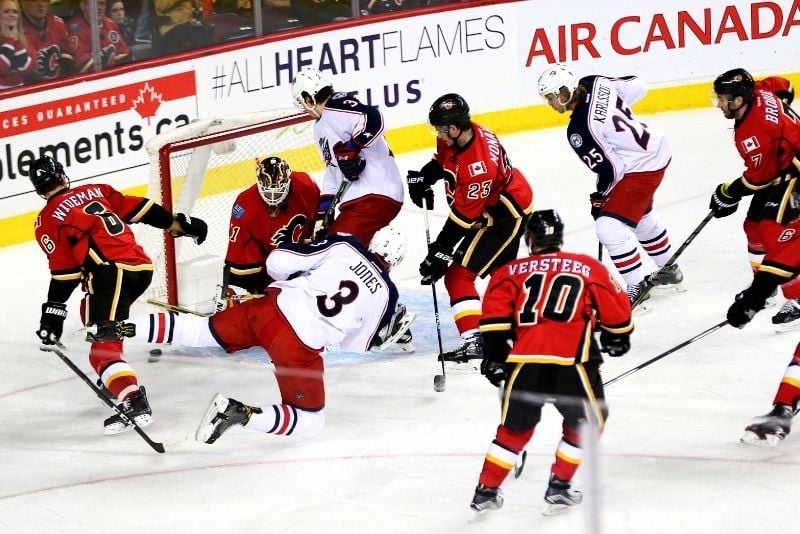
[554,78]
[449,109]
[544,230]
[273,176]
[46,173]
[389,244]
[733,83]
[308,83]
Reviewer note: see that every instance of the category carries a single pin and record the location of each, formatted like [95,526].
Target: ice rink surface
[397,457]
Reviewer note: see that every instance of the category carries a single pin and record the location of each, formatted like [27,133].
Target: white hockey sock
[286,420]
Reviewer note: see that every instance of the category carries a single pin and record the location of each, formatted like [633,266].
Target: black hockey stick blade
[58,350]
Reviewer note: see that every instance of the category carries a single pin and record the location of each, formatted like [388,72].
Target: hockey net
[199,169]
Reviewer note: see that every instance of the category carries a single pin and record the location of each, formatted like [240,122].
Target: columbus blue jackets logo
[575,140]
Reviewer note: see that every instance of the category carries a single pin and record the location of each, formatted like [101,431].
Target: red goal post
[199,169]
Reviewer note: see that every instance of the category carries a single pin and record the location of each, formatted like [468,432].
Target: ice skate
[788,317]
[467,356]
[666,279]
[136,409]
[396,337]
[485,499]
[559,497]
[221,414]
[768,430]
[634,290]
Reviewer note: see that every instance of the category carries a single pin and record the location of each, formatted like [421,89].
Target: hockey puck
[155,354]
[438,383]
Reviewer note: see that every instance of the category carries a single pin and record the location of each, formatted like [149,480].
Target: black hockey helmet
[735,82]
[449,109]
[46,173]
[544,230]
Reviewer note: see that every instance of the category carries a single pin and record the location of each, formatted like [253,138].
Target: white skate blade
[642,309]
[555,509]
[474,515]
[120,427]
[206,427]
[668,289]
[751,438]
[468,367]
[397,348]
[782,328]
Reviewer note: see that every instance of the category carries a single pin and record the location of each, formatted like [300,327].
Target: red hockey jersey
[48,44]
[482,181]
[113,47]
[86,226]
[254,233]
[551,303]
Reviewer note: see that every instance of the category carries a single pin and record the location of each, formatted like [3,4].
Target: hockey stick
[439,381]
[328,217]
[59,351]
[651,280]
[177,309]
[639,367]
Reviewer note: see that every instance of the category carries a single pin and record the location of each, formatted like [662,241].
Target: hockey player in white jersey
[350,137]
[335,291]
[629,159]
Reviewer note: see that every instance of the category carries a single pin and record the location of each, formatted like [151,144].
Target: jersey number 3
[338,299]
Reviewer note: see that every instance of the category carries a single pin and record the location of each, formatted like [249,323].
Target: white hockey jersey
[606,135]
[332,292]
[345,118]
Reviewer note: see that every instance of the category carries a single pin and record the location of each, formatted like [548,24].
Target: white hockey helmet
[273,176]
[389,244]
[308,83]
[554,78]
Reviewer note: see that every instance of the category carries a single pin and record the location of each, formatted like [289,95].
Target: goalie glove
[722,202]
[349,160]
[192,227]
[51,325]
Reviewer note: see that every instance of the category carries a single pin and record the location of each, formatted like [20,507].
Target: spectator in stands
[176,29]
[144,22]
[126,24]
[313,12]
[48,41]
[15,60]
[113,47]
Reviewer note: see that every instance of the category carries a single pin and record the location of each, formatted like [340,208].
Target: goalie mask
[544,231]
[46,174]
[274,178]
[553,79]
[389,244]
[308,84]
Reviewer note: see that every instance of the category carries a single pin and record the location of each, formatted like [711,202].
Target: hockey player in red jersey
[48,38]
[113,48]
[539,314]
[630,160]
[350,137]
[767,136]
[86,235]
[280,207]
[489,202]
[781,263]
[335,291]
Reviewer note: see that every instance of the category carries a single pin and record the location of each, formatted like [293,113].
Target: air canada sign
[666,30]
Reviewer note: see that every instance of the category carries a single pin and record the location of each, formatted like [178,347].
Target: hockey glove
[194,227]
[722,203]
[51,325]
[495,372]
[349,160]
[598,201]
[435,263]
[742,310]
[615,344]
[420,182]
[324,221]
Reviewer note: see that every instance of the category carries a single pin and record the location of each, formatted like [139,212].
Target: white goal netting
[199,170]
